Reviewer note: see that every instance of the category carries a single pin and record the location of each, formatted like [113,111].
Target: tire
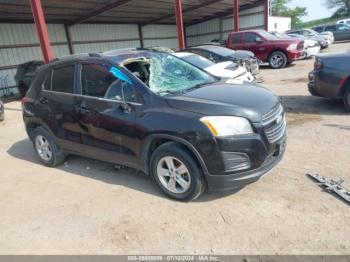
[278,60]
[346,99]
[46,148]
[22,89]
[190,176]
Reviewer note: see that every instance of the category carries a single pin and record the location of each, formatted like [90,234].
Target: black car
[24,75]
[2,111]
[341,32]
[222,54]
[331,77]
[159,114]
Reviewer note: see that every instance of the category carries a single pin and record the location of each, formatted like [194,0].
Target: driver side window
[98,81]
[251,38]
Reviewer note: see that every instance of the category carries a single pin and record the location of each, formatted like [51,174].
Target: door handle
[43,100]
[84,110]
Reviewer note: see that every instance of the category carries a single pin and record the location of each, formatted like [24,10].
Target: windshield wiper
[168,92]
[195,87]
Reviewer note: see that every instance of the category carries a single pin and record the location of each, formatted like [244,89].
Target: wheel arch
[33,124]
[277,50]
[155,140]
[344,87]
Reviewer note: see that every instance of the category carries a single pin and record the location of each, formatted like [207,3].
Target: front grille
[274,123]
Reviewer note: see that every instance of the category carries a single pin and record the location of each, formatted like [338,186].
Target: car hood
[242,54]
[246,100]
[222,70]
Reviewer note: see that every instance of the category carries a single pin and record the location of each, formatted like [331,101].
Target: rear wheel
[278,60]
[46,148]
[347,99]
[176,172]
[22,89]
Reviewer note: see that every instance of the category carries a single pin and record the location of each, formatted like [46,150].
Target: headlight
[292,47]
[227,125]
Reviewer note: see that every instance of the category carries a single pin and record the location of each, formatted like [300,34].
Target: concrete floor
[88,207]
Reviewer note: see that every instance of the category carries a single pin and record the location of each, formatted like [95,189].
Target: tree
[343,7]
[280,8]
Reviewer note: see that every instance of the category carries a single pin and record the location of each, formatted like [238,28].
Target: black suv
[156,113]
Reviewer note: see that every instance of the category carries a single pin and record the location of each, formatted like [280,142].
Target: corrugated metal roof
[126,11]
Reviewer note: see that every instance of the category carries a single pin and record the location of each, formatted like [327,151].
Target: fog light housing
[236,161]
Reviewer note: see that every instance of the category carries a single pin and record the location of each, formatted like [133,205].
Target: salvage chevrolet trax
[159,114]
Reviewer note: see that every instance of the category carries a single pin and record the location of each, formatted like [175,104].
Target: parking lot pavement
[89,207]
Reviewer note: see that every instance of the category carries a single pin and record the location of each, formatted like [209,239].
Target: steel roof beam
[97,12]
[189,9]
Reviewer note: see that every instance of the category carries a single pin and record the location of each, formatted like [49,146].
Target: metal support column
[236,15]
[180,24]
[41,30]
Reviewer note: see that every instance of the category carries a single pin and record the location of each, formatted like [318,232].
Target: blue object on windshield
[120,75]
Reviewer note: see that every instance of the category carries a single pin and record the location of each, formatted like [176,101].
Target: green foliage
[280,8]
[343,7]
[313,23]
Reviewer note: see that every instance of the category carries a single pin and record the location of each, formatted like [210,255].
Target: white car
[312,48]
[328,36]
[236,74]
[344,21]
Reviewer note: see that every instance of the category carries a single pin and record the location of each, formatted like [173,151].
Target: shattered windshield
[169,74]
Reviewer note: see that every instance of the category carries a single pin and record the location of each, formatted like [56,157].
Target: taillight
[318,64]
[24,101]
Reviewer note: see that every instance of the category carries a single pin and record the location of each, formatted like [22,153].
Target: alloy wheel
[43,148]
[173,174]
[277,61]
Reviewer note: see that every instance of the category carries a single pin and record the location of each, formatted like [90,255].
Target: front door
[107,112]
[255,43]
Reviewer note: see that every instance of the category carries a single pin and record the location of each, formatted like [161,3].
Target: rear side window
[331,28]
[251,38]
[236,38]
[63,79]
[319,29]
[343,27]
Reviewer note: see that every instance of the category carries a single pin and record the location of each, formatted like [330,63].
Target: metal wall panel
[90,32]
[160,35]
[101,47]
[209,30]
[19,43]
[205,27]
[103,37]
[197,40]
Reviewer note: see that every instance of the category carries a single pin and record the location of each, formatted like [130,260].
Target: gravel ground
[89,207]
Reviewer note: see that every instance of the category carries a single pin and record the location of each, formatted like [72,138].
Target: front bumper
[295,55]
[238,179]
[312,51]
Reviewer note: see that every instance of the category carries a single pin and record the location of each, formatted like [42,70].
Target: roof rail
[76,56]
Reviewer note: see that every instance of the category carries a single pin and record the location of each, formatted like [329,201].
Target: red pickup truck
[267,47]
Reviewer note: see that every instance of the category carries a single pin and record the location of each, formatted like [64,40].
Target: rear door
[343,32]
[333,29]
[235,41]
[56,105]
[107,112]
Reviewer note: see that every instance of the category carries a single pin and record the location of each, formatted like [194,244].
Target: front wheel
[176,172]
[278,60]
[347,99]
